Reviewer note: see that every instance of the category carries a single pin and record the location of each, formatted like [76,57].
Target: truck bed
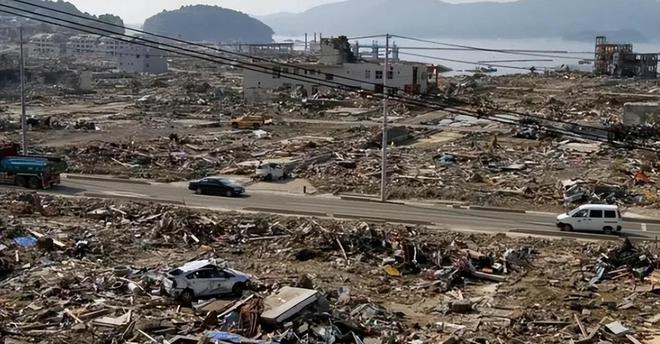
[32,165]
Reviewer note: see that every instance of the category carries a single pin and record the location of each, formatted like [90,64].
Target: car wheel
[238,288]
[34,183]
[187,296]
[21,181]
[228,193]
[567,228]
[199,191]
[607,230]
[269,177]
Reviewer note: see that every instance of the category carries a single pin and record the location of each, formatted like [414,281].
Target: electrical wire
[511,52]
[464,61]
[286,65]
[398,99]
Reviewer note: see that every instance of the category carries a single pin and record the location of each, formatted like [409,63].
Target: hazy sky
[136,11]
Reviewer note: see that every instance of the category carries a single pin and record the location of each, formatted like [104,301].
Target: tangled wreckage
[88,270]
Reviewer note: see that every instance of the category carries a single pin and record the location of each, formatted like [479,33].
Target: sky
[139,10]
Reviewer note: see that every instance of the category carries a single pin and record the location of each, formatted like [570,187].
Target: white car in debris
[204,278]
[270,172]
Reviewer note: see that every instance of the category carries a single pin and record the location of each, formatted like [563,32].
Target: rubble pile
[92,270]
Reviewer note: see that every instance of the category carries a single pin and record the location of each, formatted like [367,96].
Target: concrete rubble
[172,128]
[89,270]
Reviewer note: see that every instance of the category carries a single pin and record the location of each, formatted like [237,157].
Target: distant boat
[585,62]
[482,70]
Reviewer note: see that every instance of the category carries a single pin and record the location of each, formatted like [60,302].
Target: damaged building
[335,66]
[619,60]
[123,55]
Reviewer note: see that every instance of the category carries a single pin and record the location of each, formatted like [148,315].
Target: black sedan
[217,186]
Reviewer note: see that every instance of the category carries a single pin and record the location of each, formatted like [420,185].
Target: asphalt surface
[438,216]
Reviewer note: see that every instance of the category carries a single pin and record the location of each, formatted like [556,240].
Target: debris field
[87,270]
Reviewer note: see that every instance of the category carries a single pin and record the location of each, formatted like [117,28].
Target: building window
[329,77]
[286,70]
[296,71]
[367,74]
[312,72]
[276,72]
[390,75]
[379,75]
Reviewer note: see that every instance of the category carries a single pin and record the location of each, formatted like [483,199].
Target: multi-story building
[621,61]
[110,47]
[134,58]
[47,45]
[335,67]
[83,45]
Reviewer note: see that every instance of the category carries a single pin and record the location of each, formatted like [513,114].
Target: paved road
[439,216]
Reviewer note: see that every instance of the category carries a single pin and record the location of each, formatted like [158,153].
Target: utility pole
[383,177]
[23,119]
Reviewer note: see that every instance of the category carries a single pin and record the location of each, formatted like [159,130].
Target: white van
[592,217]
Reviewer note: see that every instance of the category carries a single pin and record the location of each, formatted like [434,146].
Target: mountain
[209,23]
[434,18]
[65,7]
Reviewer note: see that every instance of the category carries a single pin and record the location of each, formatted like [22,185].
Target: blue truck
[34,172]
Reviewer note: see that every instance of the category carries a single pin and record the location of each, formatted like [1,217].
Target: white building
[110,47]
[403,77]
[47,45]
[83,45]
[135,58]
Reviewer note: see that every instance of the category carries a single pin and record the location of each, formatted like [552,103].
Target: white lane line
[644,229]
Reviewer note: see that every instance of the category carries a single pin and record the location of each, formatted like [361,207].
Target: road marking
[125,194]
[644,229]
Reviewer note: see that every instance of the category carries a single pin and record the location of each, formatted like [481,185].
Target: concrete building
[135,58]
[403,77]
[110,47]
[621,61]
[47,45]
[263,50]
[83,45]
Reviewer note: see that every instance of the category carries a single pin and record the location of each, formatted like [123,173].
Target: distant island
[210,24]
[628,20]
[65,7]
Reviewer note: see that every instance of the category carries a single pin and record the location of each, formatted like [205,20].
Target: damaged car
[204,278]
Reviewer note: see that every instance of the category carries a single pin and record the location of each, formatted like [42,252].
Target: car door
[206,185]
[611,219]
[228,281]
[218,282]
[198,281]
[580,220]
[595,220]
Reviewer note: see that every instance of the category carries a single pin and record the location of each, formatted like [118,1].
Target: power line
[512,52]
[399,99]
[463,61]
[196,54]
[170,39]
